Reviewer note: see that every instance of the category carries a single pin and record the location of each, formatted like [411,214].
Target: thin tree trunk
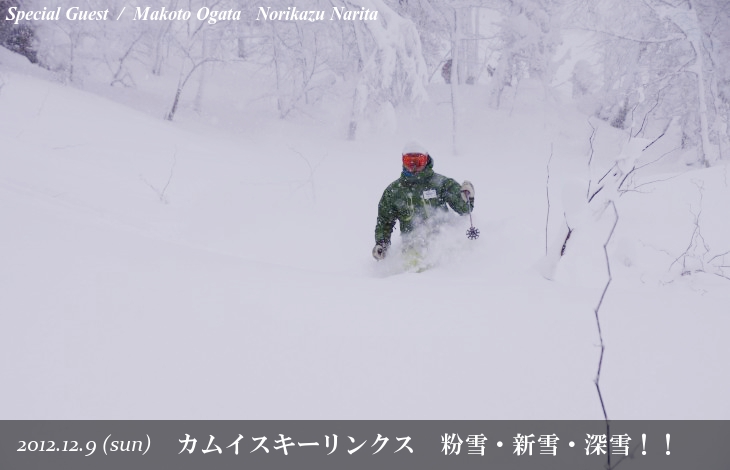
[157,63]
[708,155]
[360,96]
[181,86]
[279,104]
[118,77]
[454,82]
[72,54]
[718,126]
[173,110]
[198,106]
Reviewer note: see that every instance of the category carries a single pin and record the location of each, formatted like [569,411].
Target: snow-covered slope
[176,270]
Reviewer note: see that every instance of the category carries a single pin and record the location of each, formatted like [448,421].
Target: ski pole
[472,232]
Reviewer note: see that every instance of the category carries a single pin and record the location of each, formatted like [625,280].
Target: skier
[418,200]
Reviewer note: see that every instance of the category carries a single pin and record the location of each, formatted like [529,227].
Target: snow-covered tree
[194,41]
[18,38]
[303,56]
[394,71]
[660,63]
[530,35]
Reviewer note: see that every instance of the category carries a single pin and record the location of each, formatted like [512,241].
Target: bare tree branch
[658,181]
[547,192]
[118,78]
[666,128]
[646,116]
[161,193]
[639,40]
[172,173]
[719,256]
[694,239]
[312,170]
[591,139]
[600,333]
[636,105]
[182,82]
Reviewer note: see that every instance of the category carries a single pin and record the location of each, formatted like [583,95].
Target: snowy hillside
[174,270]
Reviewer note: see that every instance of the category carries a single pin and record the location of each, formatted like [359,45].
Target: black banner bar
[354,445]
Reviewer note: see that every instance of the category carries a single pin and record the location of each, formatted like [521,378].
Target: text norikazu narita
[292,14]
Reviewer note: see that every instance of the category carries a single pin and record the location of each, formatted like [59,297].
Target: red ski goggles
[415,162]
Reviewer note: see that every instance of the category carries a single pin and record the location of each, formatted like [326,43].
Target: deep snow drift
[188,270]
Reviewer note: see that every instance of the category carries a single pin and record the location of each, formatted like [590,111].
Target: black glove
[380,249]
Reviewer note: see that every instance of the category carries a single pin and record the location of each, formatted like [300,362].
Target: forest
[643,66]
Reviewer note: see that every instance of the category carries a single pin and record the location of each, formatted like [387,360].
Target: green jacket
[414,198]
